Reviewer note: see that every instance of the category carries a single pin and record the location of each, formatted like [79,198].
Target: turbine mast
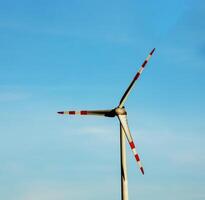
[124,180]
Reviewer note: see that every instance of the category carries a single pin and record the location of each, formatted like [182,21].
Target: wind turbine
[121,113]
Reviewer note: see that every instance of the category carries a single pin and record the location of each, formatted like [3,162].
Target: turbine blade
[127,92]
[124,123]
[106,113]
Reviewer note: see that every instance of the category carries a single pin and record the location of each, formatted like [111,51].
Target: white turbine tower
[121,113]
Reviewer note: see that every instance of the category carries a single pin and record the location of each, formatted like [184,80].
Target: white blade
[127,92]
[124,123]
[106,113]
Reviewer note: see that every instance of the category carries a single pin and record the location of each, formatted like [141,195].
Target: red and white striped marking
[124,123]
[127,92]
[82,112]
[132,145]
[143,65]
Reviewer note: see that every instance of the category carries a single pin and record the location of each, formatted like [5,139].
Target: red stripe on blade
[137,157]
[83,112]
[145,62]
[71,112]
[132,145]
[137,76]
[152,51]
[142,170]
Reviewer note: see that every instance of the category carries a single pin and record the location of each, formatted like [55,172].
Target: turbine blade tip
[60,112]
[142,170]
[152,51]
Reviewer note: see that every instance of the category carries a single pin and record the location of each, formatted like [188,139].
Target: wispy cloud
[13,96]
[42,190]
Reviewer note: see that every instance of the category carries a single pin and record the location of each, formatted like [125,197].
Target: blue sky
[82,55]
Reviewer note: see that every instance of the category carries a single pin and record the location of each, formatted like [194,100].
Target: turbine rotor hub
[120,111]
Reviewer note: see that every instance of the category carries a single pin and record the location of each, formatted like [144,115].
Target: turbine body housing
[120,111]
